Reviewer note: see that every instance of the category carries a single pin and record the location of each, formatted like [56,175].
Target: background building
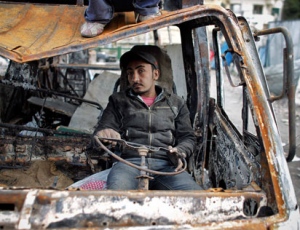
[257,12]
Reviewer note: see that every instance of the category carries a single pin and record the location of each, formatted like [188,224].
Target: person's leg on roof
[97,15]
[146,9]
[100,12]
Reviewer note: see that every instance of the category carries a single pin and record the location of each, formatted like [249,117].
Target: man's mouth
[137,86]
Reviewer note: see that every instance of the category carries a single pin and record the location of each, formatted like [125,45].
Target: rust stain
[32,31]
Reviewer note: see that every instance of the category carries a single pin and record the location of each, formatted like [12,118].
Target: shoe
[91,29]
[141,18]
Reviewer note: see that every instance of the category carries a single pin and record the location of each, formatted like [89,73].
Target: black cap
[136,54]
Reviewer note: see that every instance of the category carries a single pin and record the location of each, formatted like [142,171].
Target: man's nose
[135,77]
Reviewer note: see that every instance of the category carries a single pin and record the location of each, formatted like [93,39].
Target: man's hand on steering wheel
[178,155]
[109,133]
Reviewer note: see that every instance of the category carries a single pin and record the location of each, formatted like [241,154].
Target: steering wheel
[137,147]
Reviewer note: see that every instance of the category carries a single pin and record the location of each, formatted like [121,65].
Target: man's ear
[156,74]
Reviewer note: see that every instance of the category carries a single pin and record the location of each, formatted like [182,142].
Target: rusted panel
[271,140]
[78,209]
[32,31]
[19,150]
[32,28]
[264,119]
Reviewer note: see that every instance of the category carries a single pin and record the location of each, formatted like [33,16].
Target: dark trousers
[102,10]
[124,177]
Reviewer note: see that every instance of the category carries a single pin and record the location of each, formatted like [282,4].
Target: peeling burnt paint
[231,162]
[22,150]
[69,209]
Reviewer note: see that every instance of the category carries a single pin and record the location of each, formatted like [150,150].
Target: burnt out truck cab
[241,163]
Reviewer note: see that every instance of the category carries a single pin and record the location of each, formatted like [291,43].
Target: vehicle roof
[32,31]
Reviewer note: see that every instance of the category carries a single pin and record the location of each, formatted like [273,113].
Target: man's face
[142,78]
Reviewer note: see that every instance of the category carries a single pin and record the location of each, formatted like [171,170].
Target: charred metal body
[244,171]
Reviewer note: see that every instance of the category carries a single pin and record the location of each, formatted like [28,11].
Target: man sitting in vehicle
[100,12]
[150,115]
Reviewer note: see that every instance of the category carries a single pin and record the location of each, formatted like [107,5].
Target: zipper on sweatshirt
[149,125]
[158,99]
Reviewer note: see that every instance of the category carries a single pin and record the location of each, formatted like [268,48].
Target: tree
[291,9]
